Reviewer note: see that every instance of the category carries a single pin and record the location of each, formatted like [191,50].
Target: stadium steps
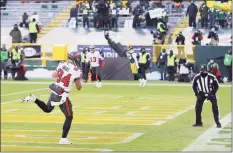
[57,21]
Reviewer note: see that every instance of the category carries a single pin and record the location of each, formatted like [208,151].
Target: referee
[205,86]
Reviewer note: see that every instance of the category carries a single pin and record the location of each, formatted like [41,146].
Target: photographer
[197,38]
[184,71]
[214,37]
[180,39]
[158,37]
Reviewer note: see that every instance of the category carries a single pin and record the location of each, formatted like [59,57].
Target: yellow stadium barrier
[49,52]
[222,6]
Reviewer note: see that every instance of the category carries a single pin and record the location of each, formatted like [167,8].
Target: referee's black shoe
[198,125]
[219,125]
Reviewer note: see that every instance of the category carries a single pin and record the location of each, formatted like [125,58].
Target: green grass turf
[174,135]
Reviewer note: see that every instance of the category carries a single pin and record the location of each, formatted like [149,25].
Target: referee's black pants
[199,104]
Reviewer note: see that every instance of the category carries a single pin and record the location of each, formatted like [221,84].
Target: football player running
[93,57]
[66,74]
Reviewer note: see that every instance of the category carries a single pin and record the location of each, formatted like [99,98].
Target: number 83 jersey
[67,74]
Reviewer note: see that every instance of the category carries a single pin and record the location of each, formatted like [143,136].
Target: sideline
[203,142]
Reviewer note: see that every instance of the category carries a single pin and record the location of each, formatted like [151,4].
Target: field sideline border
[117,84]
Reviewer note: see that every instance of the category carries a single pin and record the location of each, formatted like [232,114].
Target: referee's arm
[194,86]
[215,85]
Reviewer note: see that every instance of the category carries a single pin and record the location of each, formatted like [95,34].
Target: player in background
[66,75]
[94,58]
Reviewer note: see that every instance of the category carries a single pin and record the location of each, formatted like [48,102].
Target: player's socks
[140,82]
[43,106]
[30,98]
[64,141]
[144,83]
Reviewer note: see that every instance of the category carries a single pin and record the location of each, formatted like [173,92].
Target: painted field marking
[74,132]
[181,112]
[160,122]
[200,144]
[131,138]
[144,108]
[129,113]
[116,107]
[10,101]
[120,84]
[101,112]
[46,148]
[16,93]
[12,110]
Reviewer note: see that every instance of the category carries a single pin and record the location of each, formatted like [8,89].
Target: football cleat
[64,141]
[219,125]
[144,82]
[140,82]
[30,98]
[100,84]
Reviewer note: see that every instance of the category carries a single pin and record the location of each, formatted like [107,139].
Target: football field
[120,116]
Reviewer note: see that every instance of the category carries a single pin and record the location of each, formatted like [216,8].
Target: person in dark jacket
[16,34]
[204,11]
[162,64]
[137,12]
[180,39]
[192,13]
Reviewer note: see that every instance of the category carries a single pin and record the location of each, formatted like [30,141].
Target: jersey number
[65,80]
[93,59]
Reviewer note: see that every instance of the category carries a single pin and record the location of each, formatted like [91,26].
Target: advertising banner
[32,51]
[116,68]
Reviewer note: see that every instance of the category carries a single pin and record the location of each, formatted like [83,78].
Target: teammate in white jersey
[94,58]
[66,75]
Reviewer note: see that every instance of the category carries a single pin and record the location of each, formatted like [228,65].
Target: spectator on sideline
[204,10]
[4,58]
[162,64]
[16,34]
[33,30]
[192,13]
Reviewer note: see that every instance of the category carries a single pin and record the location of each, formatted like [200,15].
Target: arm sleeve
[37,27]
[187,11]
[194,86]
[216,86]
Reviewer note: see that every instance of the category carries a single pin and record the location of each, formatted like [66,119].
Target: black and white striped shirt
[207,85]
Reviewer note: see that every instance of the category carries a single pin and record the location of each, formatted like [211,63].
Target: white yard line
[200,143]
[120,84]
[17,93]
[131,138]
[10,101]
[160,122]
[144,108]
[116,107]
[100,112]
[12,110]
[129,113]
[181,112]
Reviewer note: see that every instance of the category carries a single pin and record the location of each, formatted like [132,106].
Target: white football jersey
[93,58]
[67,73]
